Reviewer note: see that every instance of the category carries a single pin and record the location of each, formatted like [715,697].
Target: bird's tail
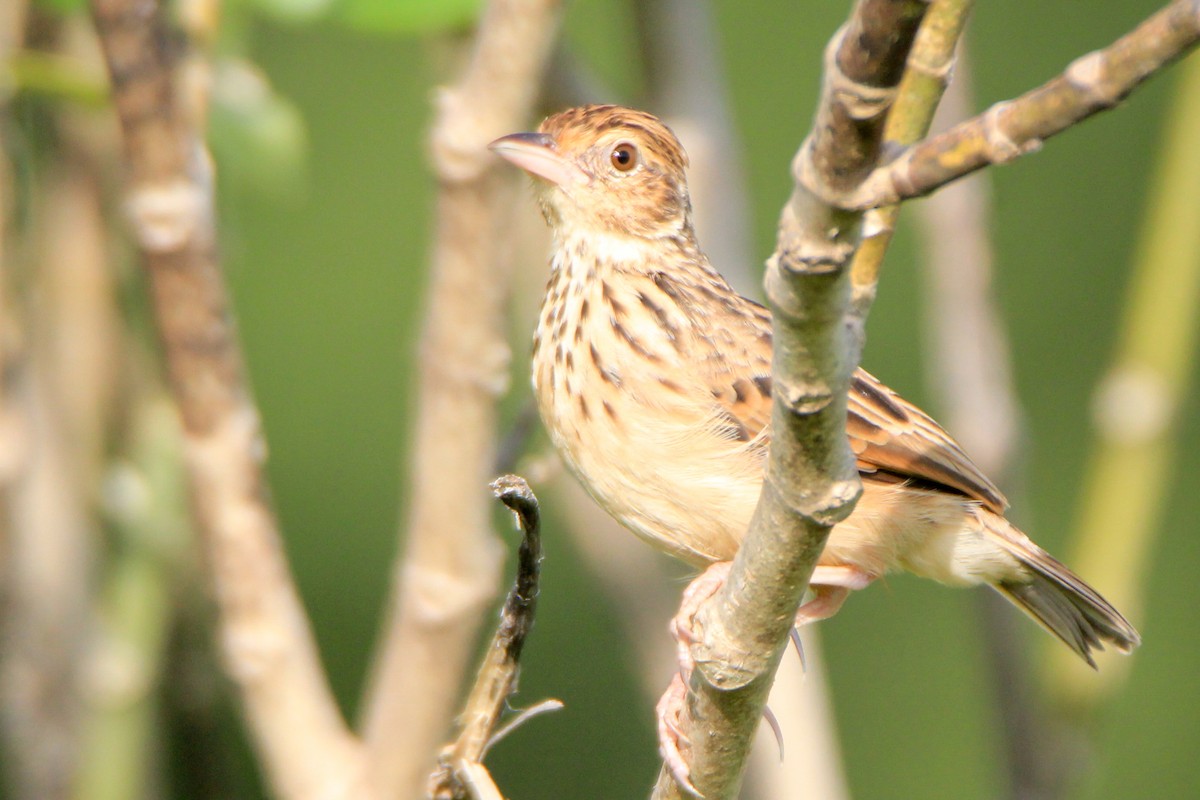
[1058,599]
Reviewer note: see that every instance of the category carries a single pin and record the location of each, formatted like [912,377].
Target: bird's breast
[620,394]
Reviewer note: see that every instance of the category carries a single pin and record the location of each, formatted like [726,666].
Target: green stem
[124,669]
[55,76]
[924,83]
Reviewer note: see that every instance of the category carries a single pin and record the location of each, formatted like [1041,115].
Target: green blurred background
[328,274]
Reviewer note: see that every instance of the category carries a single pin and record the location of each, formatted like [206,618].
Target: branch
[460,768]
[268,646]
[1141,403]
[929,68]
[1093,83]
[686,86]
[811,481]
[970,372]
[450,569]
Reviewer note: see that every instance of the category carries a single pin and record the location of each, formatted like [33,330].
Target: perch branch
[1092,83]
[681,55]
[811,481]
[266,641]
[497,678]
[450,569]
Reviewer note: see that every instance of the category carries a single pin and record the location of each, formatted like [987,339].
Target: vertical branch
[450,569]
[267,644]
[43,532]
[143,498]
[681,55]
[60,397]
[1137,406]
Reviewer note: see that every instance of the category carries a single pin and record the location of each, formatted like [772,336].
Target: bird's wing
[888,433]
[890,436]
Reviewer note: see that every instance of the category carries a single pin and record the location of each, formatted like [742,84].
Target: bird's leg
[670,706]
[698,592]
[830,587]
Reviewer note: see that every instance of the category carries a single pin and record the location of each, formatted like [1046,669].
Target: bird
[652,376]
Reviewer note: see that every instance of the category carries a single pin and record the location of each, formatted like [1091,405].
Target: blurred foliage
[405,16]
[319,132]
[383,17]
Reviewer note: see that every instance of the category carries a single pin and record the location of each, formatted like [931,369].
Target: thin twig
[450,569]
[497,677]
[811,481]
[1139,405]
[969,369]
[1092,83]
[306,748]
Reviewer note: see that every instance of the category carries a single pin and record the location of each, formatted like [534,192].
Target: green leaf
[60,7]
[297,11]
[406,16]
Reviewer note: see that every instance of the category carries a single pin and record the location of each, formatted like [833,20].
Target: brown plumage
[653,379]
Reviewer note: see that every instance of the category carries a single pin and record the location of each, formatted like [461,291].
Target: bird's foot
[682,626]
[671,740]
[830,586]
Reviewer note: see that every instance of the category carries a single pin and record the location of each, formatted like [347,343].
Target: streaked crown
[626,169]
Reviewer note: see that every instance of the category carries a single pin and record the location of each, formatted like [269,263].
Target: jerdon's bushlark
[653,378]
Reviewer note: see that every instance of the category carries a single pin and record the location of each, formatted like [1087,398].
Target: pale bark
[306,749]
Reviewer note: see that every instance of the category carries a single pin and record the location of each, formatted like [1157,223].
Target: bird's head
[606,169]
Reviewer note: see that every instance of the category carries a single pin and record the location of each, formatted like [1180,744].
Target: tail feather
[1058,599]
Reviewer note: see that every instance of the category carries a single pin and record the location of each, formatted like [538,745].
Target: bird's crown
[578,129]
[606,169]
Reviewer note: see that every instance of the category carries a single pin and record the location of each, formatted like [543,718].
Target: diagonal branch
[268,646]
[1092,83]
[811,481]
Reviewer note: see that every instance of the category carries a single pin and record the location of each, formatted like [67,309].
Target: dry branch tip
[459,764]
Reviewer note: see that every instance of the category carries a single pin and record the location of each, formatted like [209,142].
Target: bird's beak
[536,154]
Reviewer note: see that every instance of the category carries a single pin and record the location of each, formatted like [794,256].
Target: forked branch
[811,481]
[1092,83]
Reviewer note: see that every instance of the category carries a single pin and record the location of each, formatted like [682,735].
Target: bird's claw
[682,626]
[670,734]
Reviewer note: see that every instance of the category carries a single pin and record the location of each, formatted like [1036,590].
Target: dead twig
[460,773]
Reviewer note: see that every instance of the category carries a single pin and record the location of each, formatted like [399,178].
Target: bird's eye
[624,157]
